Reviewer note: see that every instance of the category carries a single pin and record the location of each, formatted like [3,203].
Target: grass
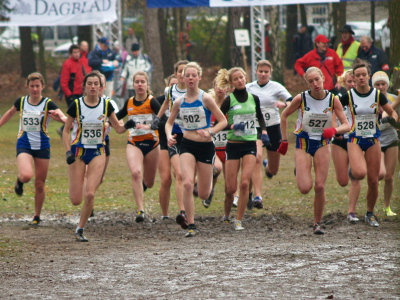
[280,194]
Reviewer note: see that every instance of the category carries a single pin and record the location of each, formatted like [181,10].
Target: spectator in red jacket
[325,59]
[72,75]
[84,47]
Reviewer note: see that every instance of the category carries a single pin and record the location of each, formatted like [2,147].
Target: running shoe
[207,202]
[36,221]
[226,219]
[250,202]
[165,218]
[257,202]
[235,201]
[388,212]
[192,231]
[195,191]
[19,187]
[181,220]
[80,237]
[238,225]
[265,163]
[140,216]
[351,217]
[317,229]
[371,220]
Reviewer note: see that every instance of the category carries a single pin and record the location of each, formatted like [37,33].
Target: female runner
[197,149]
[389,142]
[313,134]
[363,145]
[240,107]
[272,97]
[87,116]
[340,156]
[142,151]
[33,143]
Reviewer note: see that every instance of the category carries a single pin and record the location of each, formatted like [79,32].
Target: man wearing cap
[135,62]
[347,50]
[375,56]
[103,59]
[325,59]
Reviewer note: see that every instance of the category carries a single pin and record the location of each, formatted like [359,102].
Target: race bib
[31,121]
[220,139]
[193,117]
[316,123]
[249,121]
[146,119]
[365,125]
[270,116]
[92,133]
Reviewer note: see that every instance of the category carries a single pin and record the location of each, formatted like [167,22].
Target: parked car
[62,50]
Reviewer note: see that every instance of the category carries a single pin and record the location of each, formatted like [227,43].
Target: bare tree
[152,43]
[394,11]
[180,31]
[338,19]
[277,57]
[236,58]
[168,60]
[291,30]
[28,64]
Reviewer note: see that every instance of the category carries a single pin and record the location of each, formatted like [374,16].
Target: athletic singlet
[89,122]
[195,115]
[142,114]
[269,94]
[388,132]
[314,115]
[242,112]
[34,121]
[172,93]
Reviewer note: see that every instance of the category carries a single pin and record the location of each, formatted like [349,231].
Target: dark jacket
[96,57]
[376,57]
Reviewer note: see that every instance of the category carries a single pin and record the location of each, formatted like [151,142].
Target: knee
[149,184]
[136,175]
[178,177]
[319,188]
[76,200]
[244,185]
[358,174]
[230,190]
[304,188]
[259,157]
[373,182]
[343,181]
[39,185]
[188,185]
[25,178]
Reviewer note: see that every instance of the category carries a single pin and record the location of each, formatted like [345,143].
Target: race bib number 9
[92,133]
[249,121]
[316,123]
[145,119]
[193,117]
[220,139]
[31,121]
[270,116]
[365,125]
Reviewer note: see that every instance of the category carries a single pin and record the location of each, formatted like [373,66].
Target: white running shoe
[238,225]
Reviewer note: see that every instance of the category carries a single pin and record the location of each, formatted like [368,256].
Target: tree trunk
[275,45]
[85,34]
[168,60]
[291,30]
[180,31]
[152,41]
[42,61]
[236,54]
[28,64]
[394,11]
[303,14]
[338,19]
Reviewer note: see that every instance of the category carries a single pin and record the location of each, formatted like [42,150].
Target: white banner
[230,3]
[60,12]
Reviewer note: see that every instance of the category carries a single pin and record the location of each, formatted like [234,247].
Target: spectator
[267,43]
[325,59]
[84,47]
[131,39]
[103,59]
[375,56]
[302,42]
[134,63]
[347,50]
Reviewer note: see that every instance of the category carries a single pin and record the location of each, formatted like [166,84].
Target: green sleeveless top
[242,112]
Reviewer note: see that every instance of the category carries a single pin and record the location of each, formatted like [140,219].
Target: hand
[154,124]
[391,121]
[130,124]
[329,133]
[172,140]
[239,127]
[265,140]
[70,157]
[283,147]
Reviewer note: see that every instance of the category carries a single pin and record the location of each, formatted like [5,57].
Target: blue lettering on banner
[47,7]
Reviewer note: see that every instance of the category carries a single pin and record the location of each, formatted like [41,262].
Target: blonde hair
[342,78]
[141,73]
[194,65]
[264,62]
[313,69]
[35,76]
[224,77]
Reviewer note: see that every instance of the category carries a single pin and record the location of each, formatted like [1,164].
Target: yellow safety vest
[350,55]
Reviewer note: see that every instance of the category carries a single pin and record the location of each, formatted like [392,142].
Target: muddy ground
[276,257]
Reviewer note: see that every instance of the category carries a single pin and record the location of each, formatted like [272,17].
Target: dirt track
[276,257]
